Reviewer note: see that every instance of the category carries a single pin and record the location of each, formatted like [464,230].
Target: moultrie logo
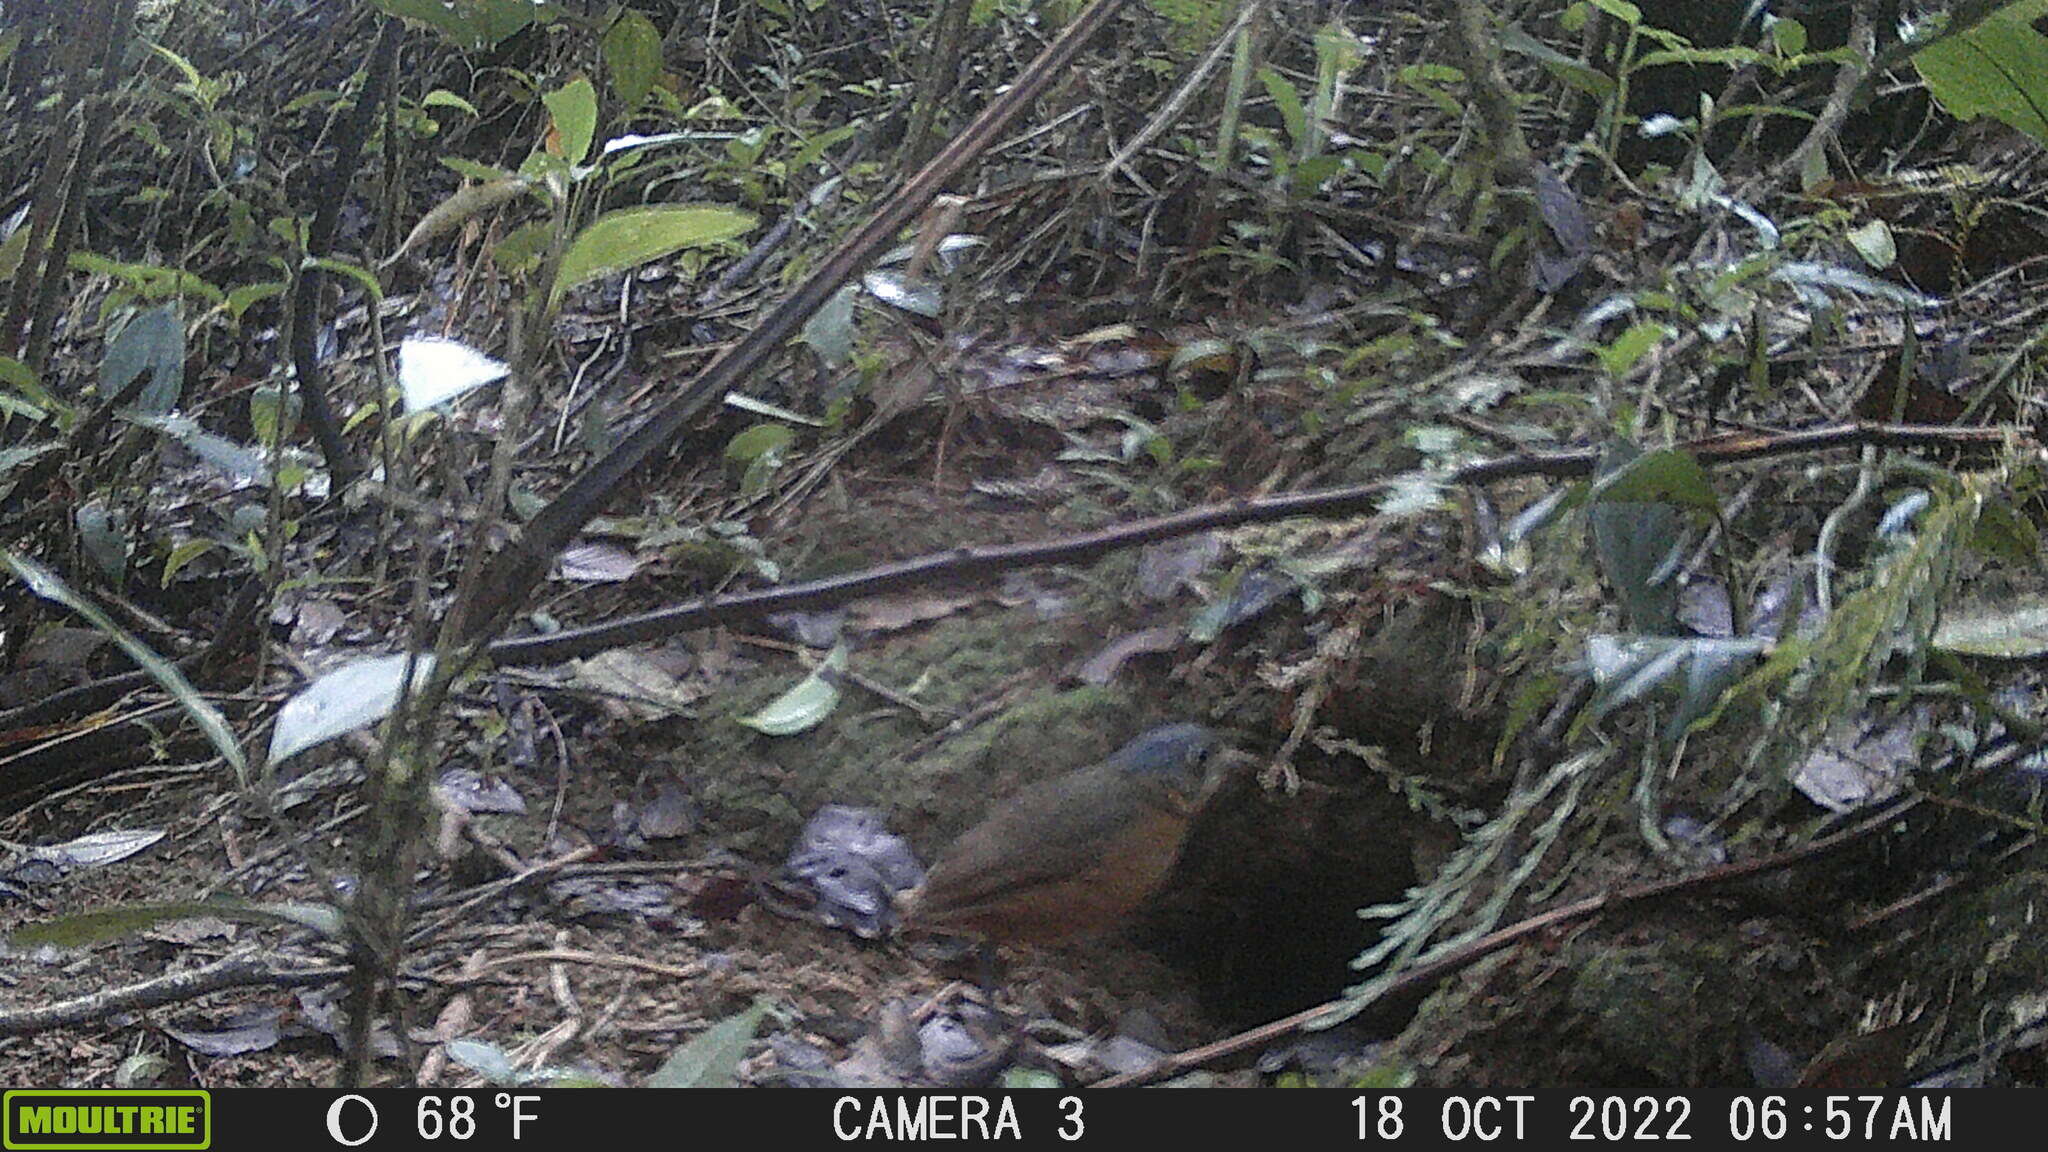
[39,1119]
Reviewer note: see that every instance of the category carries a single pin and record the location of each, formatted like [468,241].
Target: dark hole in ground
[1264,910]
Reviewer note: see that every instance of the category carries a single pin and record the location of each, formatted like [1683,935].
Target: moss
[755,790]
[1976,970]
[1625,1013]
[1664,1008]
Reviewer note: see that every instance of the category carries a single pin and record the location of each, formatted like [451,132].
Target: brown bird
[1077,853]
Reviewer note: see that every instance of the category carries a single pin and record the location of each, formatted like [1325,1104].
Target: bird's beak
[905,901]
[1223,767]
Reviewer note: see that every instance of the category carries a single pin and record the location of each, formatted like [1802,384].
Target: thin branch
[243,970]
[975,561]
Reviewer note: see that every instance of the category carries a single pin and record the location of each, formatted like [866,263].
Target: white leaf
[2015,630]
[622,143]
[899,291]
[431,371]
[805,706]
[353,696]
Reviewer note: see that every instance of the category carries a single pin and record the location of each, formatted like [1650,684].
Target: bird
[1074,855]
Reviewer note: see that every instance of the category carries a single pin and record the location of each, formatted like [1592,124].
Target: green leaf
[152,342]
[1873,241]
[1788,36]
[712,1057]
[11,248]
[1311,174]
[2007,533]
[631,237]
[18,378]
[1699,58]
[1434,82]
[1621,355]
[1666,476]
[149,281]
[443,98]
[184,554]
[273,411]
[1293,115]
[193,80]
[815,147]
[573,108]
[1576,73]
[1637,544]
[462,204]
[86,928]
[830,330]
[805,706]
[356,272]
[758,441]
[632,50]
[240,300]
[317,98]
[471,170]
[1621,10]
[46,584]
[760,451]
[522,249]
[1998,68]
[470,24]
[292,230]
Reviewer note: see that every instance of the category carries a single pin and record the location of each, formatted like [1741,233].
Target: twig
[1855,72]
[329,195]
[930,716]
[598,959]
[1170,113]
[987,559]
[248,968]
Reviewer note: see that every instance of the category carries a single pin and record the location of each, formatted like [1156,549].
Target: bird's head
[1192,760]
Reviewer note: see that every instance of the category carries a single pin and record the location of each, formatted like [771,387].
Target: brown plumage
[1077,853]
